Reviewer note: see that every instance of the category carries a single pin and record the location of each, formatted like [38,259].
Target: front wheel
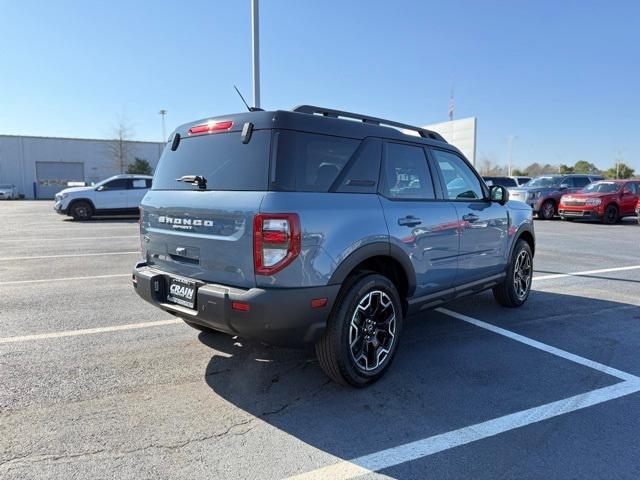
[81,210]
[363,331]
[515,288]
[610,215]
[547,210]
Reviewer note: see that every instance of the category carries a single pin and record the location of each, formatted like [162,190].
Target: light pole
[255,24]
[163,113]
[510,140]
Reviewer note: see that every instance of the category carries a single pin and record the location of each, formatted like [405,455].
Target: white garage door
[51,177]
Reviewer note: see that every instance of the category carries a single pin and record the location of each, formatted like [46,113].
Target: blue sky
[564,77]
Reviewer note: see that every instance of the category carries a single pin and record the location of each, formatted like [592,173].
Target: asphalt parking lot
[97,384]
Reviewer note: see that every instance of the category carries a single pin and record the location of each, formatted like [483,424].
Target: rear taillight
[276,241]
[210,127]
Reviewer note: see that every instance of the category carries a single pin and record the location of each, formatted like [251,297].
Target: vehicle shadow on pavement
[447,375]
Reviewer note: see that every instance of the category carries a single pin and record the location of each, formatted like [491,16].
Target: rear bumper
[280,316]
[579,212]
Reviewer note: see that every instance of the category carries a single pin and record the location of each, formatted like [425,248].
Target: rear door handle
[470,217]
[409,221]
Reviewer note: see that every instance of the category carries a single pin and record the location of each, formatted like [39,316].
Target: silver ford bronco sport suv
[317,226]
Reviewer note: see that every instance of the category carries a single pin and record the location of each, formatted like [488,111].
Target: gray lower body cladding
[279,316]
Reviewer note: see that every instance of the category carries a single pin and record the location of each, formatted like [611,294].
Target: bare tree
[487,167]
[120,147]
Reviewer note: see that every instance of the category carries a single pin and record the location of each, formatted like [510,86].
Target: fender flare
[376,249]
[526,227]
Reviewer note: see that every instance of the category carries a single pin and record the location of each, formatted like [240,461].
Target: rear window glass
[406,173]
[308,162]
[222,159]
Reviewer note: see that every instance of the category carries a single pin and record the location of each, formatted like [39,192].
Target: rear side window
[581,181]
[140,183]
[222,159]
[117,184]
[406,173]
[307,162]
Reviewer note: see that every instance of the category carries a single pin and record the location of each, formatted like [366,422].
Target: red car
[606,200]
[638,210]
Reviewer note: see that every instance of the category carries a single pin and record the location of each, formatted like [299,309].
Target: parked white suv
[118,195]
[8,191]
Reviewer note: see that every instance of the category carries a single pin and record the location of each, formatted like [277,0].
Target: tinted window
[632,187]
[222,158]
[117,184]
[307,162]
[460,181]
[504,181]
[581,181]
[361,173]
[406,173]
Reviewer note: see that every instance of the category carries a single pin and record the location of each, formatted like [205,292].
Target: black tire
[514,291]
[547,210]
[199,327]
[81,210]
[611,215]
[354,336]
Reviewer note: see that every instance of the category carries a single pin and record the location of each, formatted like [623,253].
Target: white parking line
[445,441]
[69,255]
[428,446]
[541,346]
[585,273]
[57,239]
[64,279]
[88,331]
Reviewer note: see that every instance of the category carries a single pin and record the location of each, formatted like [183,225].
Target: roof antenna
[251,109]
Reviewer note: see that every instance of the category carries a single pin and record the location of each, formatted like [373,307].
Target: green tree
[582,166]
[565,169]
[518,173]
[140,166]
[620,170]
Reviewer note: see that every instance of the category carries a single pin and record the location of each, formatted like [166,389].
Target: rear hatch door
[206,233]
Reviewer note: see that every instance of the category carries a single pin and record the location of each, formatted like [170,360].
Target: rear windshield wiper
[198,180]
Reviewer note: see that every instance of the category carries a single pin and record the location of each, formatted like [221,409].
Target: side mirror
[564,186]
[499,194]
[100,188]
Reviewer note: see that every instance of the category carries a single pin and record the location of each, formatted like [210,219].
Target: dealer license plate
[182,292]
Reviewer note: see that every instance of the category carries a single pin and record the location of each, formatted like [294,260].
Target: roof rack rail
[329,112]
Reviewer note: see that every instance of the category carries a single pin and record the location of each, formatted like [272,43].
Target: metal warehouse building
[42,166]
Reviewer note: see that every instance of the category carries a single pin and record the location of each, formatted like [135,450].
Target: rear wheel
[611,215]
[515,288]
[362,333]
[547,210]
[81,210]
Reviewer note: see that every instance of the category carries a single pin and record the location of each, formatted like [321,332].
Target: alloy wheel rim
[372,330]
[548,210]
[522,274]
[611,214]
